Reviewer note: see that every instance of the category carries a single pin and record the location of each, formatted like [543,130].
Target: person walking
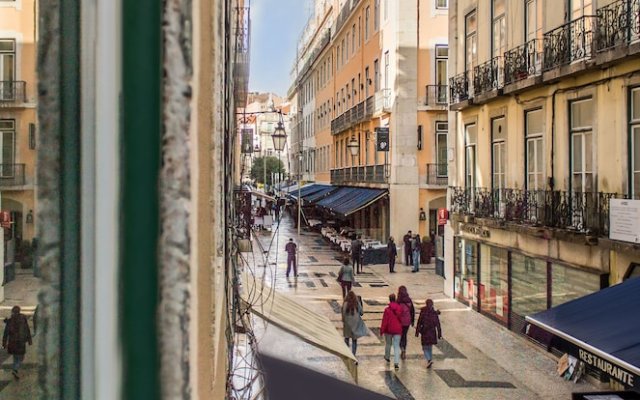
[345,277]
[292,249]
[407,318]
[353,327]
[416,248]
[406,239]
[392,252]
[429,328]
[391,328]
[15,338]
[356,254]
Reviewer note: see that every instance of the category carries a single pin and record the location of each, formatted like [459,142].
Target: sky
[275,28]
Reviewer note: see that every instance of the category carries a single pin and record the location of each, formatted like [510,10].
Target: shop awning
[308,190]
[603,328]
[263,195]
[312,198]
[347,200]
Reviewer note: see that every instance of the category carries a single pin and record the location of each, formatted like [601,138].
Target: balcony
[360,174]
[12,93]
[459,88]
[618,25]
[349,118]
[382,101]
[11,175]
[437,175]
[569,43]
[488,77]
[436,96]
[575,211]
[523,62]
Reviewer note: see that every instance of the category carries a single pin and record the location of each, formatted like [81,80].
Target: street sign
[382,139]
[624,217]
[443,216]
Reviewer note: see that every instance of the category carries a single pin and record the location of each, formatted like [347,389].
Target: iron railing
[570,42]
[618,24]
[459,88]
[344,14]
[523,62]
[11,175]
[354,115]
[13,92]
[488,76]
[586,212]
[436,95]
[365,174]
[437,174]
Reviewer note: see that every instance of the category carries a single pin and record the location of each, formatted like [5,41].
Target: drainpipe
[551,179]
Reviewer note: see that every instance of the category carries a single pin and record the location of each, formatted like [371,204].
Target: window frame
[503,143]
[439,7]
[581,130]
[632,124]
[533,137]
[470,35]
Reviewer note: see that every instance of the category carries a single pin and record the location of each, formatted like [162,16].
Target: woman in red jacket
[391,328]
[429,327]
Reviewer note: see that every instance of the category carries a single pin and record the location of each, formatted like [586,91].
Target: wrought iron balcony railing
[576,211]
[523,62]
[13,92]
[364,174]
[11,175]
[488,76]
[618,24]
[437,174]
[436,95]
[459,88]
[570,42]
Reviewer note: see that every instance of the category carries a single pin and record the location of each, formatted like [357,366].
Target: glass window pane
[531,156]
[636,185]
[581,113]
[576,149]
[498,129]
[441,73]
[571,283]
[471,22]
[635,104]
[534,122]
[7,67]
[493,287]
[636,148]
[7,147]
[529,284]
[7,45]
[588,152]
[471,134]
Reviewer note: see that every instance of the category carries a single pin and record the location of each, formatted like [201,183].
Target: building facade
[545,100]
[18,121]
[380,66]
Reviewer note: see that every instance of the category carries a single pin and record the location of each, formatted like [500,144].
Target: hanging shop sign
[247,141]
[616,372]
[476,230]
[443,216]
[382,139]
[624,217]
[5,219]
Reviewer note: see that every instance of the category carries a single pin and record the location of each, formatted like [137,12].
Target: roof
[347,200]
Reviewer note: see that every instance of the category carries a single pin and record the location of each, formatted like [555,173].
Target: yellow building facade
[18,127]
[381,64]
[544,100]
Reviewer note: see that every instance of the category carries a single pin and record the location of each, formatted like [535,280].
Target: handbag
[339,279]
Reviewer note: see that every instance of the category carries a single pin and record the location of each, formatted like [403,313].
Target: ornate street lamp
[353,146]
[279,137]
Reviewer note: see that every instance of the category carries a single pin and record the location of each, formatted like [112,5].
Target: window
[581,113]
[354,91]
[494,287]
[376,75]
[466,271]
[442,56]
[442,4]
[386,9]
[376,15]
[367,17]
[471,41]
[7,68]
[498,153]
[441,148]
[634,142]
[570,283]
[470,137]
[528,286]
[386,70]
[580,8]
[347,47]
[534,150]
[366,82]
[533,30]
[498,28]
[7,136]
[359,29]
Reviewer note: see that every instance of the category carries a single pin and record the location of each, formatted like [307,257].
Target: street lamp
[279,137]
[353,146]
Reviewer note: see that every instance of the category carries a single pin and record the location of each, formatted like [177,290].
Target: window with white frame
[366,82]
[470,140]
[376,15]
[442,129]
[442,57]
[634,148]
[7,68]
[376,75]
[471,41]
[534,150]
[386,69]
[8,137]
[442,4]
[581,115]
[498,153]
[353,39]
[498,28]
[367,18]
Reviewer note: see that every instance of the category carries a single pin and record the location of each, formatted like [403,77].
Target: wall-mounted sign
[624,219]
[476,230]
[443,216]
[382,139]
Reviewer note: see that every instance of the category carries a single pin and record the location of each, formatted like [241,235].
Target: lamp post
[354,149]
[279,137]
[299,184]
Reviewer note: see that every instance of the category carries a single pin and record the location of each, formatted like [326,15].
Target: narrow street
[476,359]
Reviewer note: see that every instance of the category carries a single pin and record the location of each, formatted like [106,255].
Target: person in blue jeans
[416,247]
[353,327]
[428,327]
[391,328]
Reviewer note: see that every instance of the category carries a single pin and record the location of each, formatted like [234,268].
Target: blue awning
[319,195]
[347,200]
[308,190]
[604,327]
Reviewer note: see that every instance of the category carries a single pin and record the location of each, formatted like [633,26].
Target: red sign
[5,219]
[443,216]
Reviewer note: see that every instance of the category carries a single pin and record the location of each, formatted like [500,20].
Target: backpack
[405,317]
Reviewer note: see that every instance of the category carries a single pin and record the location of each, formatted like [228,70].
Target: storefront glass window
[528,286]
[493,288]
[570,283]
[466,271]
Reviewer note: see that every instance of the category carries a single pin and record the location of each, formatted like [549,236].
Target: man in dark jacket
[392,252]
[15,338]
[291,249]
[356,254]
[406,239]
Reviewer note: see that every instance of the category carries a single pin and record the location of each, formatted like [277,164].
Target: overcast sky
[275,27]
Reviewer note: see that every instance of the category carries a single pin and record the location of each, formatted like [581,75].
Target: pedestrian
[416,248]
[292,249]
[15,338]
[407,318]
[353,327]
[356,254]
[276,208]
[406,239]
[345,277]
[429,327]
[391,328]
[392,252]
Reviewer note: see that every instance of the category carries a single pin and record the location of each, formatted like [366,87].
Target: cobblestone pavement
[478,359]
